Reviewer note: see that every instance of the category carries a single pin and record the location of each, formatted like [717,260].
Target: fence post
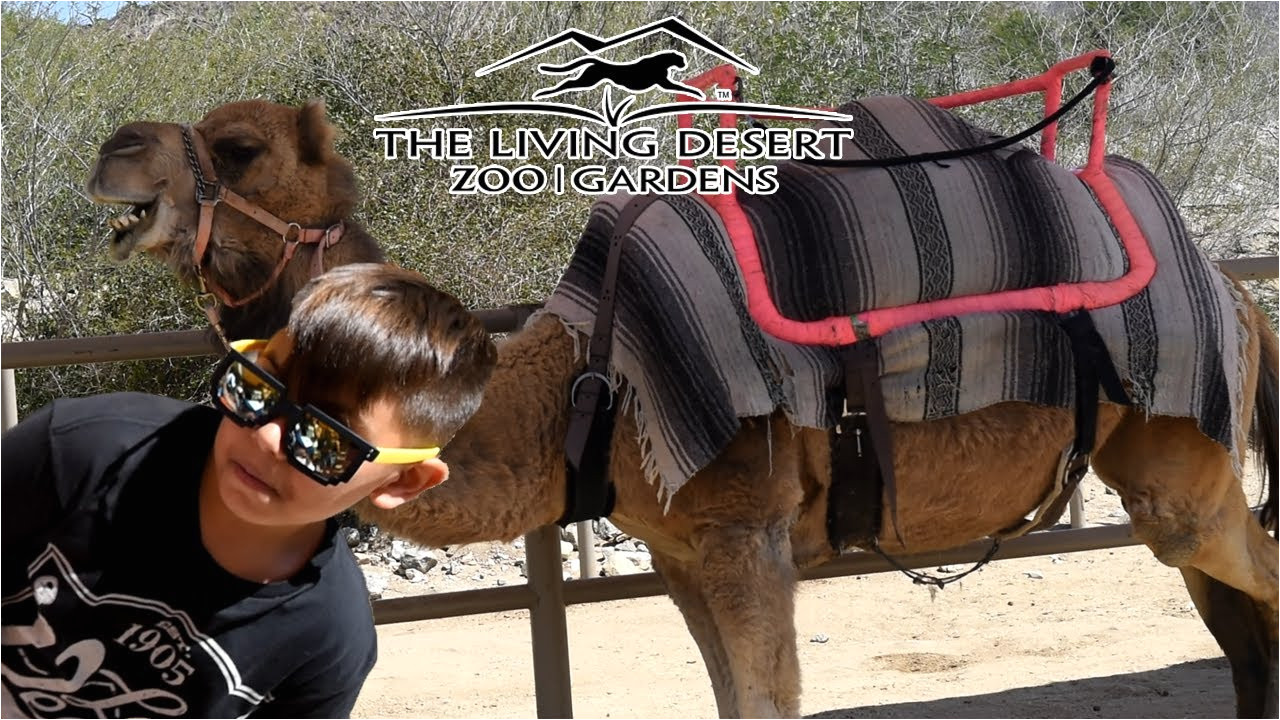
[1077,508]
[551,682]
[8,398]
[586,550]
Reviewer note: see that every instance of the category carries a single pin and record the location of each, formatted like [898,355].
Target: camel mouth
[128,228]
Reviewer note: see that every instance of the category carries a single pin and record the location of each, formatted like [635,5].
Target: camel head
[278,158]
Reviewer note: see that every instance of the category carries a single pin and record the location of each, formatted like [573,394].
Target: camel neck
[506,465]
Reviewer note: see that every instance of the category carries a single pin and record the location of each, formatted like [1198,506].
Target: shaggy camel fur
[730,545]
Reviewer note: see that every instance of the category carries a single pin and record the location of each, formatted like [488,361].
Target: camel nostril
[125,151]
[126,141]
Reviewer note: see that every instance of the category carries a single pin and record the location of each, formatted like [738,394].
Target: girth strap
[863,394]
[590,494]
[1093,367]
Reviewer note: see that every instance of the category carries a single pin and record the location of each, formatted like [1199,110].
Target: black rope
[1101,68]
[920,578]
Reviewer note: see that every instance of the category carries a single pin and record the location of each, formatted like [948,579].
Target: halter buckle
[284,236]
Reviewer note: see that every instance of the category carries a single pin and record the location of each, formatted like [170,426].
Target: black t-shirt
[112,607]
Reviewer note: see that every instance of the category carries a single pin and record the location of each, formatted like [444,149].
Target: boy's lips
[252,479]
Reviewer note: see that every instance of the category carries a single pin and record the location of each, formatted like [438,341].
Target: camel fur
[730,545]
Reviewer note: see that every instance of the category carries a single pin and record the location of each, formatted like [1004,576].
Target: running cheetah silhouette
[637,76]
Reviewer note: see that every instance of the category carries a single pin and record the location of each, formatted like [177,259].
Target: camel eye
[237,152]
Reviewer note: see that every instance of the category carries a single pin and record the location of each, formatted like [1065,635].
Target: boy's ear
[411,482]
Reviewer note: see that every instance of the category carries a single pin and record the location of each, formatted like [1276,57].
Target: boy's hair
[386,332]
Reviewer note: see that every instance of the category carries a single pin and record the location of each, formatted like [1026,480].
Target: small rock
[478,576]
[351,535]
[615,564]
[377,586]
[499,582]
[639,559]
[422,563]
[1034,574]
[819,638]
[1055,559]
[566,550]
[414,576]
[605,530]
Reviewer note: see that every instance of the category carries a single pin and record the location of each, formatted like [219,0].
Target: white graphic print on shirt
[112,655]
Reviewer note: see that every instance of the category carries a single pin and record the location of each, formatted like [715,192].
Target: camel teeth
[144,214]
[133,219]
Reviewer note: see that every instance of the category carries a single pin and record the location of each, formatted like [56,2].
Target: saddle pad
[694,361]
[845,241]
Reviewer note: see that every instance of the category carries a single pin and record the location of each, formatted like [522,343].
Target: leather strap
[864,394]
[590,494]
[210,192]
[1093,367]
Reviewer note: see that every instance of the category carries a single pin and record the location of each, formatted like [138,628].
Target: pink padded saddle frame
[1065,297]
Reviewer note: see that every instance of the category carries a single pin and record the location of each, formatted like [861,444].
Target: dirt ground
[1104,633]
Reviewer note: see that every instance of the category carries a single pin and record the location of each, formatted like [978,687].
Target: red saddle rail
[1064,297]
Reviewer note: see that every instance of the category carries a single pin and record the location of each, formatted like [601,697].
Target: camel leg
[685,590]
[1188,507]
[748,584]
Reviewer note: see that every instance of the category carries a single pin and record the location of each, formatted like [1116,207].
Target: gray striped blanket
[840,241]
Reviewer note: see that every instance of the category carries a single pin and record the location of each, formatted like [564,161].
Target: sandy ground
[1105,633]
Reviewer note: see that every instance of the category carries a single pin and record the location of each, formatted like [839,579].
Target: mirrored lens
[245,393]
[319,447]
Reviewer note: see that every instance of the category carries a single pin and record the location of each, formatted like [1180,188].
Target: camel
[731,543]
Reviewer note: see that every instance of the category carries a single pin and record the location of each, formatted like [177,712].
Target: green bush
[1196,100]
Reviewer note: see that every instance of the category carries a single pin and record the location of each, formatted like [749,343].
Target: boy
[167,559]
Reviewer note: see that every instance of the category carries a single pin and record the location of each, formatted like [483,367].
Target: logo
[610,149]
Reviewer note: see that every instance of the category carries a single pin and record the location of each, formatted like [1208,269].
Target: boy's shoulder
[123,410]
[77,440]
[115,420]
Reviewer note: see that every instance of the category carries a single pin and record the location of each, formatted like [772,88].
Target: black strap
[592,410]
[864,394]
[1093,368]
[1101,68]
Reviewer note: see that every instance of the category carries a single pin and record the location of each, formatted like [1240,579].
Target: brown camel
[729,546]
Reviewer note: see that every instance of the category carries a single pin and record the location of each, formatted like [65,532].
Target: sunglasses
[319,446]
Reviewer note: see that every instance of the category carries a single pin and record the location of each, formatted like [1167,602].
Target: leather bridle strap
[210,192]
[590,495]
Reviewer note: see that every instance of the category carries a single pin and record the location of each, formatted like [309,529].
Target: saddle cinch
[914,175]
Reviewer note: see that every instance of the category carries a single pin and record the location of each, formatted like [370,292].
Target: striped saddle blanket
[842,241]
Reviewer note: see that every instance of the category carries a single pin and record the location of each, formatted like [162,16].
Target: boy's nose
[269,438]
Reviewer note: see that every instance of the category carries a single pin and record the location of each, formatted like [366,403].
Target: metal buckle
[573,391]
[284,237]
[211,198]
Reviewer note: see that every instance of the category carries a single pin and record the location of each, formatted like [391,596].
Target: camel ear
[315,134]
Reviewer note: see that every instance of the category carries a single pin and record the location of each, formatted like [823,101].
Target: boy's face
[258,485]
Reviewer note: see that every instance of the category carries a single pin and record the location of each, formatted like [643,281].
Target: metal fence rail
[546,595]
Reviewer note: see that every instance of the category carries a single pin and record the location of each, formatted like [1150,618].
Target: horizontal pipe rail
[625,587]
[177,343]
[188,343]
